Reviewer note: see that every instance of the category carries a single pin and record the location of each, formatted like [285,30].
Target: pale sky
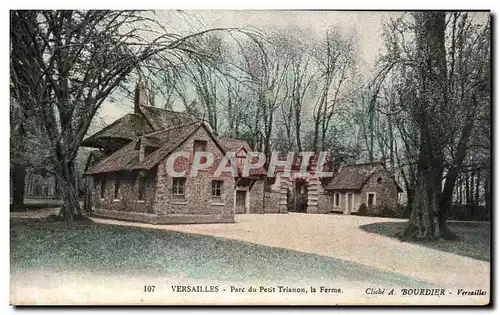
[366,26]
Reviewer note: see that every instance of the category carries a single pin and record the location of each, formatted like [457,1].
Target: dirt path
[339,237]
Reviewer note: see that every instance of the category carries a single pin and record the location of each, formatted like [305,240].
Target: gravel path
[334,236]
[339,237]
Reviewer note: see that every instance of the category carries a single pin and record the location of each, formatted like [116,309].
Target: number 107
[149,288]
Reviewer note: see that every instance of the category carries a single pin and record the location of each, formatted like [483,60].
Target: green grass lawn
[57,246]
[473,238]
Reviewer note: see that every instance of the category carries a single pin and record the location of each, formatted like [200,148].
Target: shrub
[363,209]
[380,211]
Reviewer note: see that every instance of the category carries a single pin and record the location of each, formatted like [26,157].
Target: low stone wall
[164,218]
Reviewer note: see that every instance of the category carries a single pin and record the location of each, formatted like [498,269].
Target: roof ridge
[171,128]
[166,110]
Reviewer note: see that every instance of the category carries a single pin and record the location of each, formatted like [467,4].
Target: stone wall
[343,201]
[128,192]
[198,198]
[257,197]
[272,202]
[325,204]
[386,190]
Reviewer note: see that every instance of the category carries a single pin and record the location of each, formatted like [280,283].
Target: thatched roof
[123,159]
[95,156]
[167,141]
[128,127]
[355,176]
[160,119]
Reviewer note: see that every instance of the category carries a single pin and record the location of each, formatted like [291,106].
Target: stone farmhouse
[369,183]
[127,178]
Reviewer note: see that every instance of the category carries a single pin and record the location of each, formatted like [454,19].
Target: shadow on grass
[473,242]
[106,249]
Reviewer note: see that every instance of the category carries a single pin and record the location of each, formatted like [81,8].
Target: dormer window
[380,180]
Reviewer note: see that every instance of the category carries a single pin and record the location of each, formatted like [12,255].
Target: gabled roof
[355,176]
[128,127]
[234,145]
[170,139]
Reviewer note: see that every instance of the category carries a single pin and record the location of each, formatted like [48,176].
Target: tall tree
[438,73]
[64,64]
[335,59]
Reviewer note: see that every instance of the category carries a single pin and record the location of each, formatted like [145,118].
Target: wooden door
[350,203]
[240,201]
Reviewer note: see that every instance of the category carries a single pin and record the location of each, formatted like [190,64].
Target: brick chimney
[140,97]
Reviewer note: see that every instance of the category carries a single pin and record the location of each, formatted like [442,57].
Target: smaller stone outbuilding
[370,184]
[252,193]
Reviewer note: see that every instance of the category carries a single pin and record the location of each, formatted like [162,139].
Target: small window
[117,189]
[240,159]
[337,200]
[200,146]
[103,187]
[142,189]
[179,187]
[371,200]
[380,180]
[217,188]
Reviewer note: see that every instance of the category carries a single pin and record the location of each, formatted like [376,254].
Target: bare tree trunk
[460,199]
[424,222]
[487,192]
[65,176]
[431,105]
[445,202]
[478,181]
[18,184]
[467,187]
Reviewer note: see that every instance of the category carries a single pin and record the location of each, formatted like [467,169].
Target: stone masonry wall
[257,197]
[272,202]
[198,199]
[128,192]
[325,204]
[386,191]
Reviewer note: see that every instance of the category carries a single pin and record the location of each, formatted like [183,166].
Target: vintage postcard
[250,157]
